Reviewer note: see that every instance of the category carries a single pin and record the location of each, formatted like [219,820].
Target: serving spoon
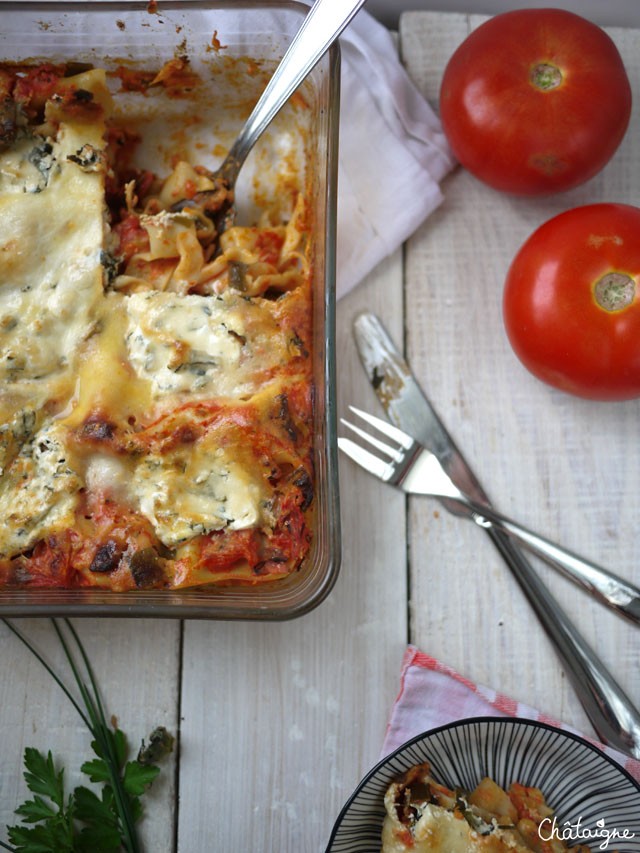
[321,27]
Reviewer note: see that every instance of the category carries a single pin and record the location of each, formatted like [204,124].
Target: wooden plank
[136,664]
[280,722]
[565,467]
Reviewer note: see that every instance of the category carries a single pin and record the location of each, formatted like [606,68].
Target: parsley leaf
[34,810]
[39,839]
[101,833]
[55,830]
[41,777]
[96,770]
[87,821]
[138,777]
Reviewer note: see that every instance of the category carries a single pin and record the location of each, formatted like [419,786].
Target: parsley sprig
[82,821]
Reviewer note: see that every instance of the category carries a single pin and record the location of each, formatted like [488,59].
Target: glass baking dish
[236,44]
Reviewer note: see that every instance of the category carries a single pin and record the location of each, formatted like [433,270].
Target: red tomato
[535,101]
[572,302]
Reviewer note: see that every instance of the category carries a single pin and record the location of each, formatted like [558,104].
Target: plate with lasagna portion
[165,382]
[492,785]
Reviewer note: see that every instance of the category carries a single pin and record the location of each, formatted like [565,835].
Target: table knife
[407,407]
[611,712]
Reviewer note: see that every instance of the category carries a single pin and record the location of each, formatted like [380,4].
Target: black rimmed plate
[589,792]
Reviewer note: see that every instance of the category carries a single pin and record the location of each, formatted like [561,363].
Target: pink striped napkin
[433,694]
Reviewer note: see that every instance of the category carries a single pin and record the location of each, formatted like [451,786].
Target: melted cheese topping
[203,345]
[441,831]
[51,282]
[51,237]
[185,343]
[108,474]
[38,492]
[188,494]
[423,816]
[105,380]
[89,366]
[26,166]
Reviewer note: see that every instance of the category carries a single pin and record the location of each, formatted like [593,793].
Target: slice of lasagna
[155,376]
[423,816]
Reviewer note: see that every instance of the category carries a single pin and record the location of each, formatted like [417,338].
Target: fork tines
[385,427]
[372,463]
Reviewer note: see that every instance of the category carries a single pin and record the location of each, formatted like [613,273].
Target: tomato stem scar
[546,76]
[614,291]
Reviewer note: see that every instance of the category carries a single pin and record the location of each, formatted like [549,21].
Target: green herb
[83,821]
[110,264]
[42,157]
[56,830]
[475,821]
[160,745]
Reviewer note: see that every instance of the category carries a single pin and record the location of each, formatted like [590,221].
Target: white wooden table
[276,724]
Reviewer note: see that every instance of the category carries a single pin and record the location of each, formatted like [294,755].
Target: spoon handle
[321,27]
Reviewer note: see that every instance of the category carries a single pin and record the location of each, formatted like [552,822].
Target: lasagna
[155,368]
[423,816]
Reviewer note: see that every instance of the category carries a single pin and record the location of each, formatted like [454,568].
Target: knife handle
[611,589]
[612,714]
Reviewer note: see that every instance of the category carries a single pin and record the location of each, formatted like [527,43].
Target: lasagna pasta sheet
[155,395]
[423,816]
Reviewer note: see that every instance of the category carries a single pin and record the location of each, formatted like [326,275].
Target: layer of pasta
[424,816]
[155,374]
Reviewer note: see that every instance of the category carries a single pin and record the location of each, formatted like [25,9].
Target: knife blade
[611,712]
[407,407]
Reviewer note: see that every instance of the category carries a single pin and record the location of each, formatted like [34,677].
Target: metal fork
[414,469]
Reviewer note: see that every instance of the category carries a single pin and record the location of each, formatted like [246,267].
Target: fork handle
[612,714]
[611,589]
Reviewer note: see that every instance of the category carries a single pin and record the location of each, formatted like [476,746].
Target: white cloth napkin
[393,153]
[433,694]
